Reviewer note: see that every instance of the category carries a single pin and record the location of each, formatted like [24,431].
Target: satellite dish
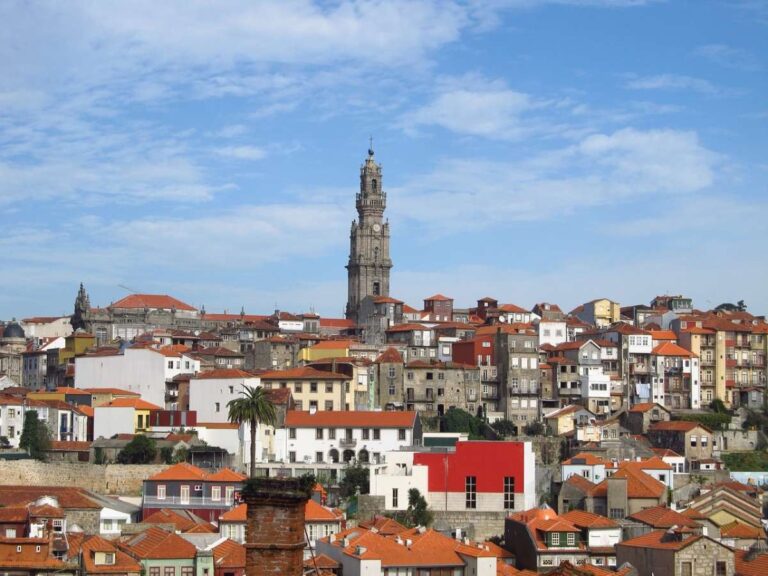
[502,319]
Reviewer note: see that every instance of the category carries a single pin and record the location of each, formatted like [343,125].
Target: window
[161,491]
[292,433]
[392,390]
[187,571]
[409,375]
[297,387]
[441,375]
[291,456]
[376,434]
[571,539]
[721,568]
[509,492]
[169,571]
[470,492]
[704,441]
[218,407]
[555,539]
[154,571]
[394,497]
[366,433]
[318,456]
[184,494]
[170,363]
[109,557]
[617,513]
[313,386]
[686,569]
[401,434]
[329,405]
[693,441]
[329,386]
[331,433]
[229,494]
[216,493]
[318,434]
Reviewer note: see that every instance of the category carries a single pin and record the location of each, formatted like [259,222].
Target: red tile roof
[663,517]
[182,520]
[438,297]
[136,403]
[676,426]
[646,406]
[410,327]
[639,484]
[336,323]
[333,345]
[223,374]
[68,497]
[155,543]
[113,391]
[314,512]
[186,471]
[750,565]
[229,554]
[384,525]
[738,530]
[123,563]
[390,355]
[226,475]
[672,349]
[70,446]
[157,301]
[585,458]
[584,519]
[305,373]
[356,419]
[659,540]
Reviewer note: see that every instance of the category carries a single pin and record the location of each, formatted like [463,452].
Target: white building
[552,332]
[35,363]
[47,327]
[139,369]
[210,392]
[586,465]
[596,389]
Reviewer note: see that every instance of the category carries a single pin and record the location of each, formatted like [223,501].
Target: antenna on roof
[131,290]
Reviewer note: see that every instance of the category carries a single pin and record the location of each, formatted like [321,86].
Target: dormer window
[109,558]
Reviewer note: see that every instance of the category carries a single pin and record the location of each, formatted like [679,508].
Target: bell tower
[369,263]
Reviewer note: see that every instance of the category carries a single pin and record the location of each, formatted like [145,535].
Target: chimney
[274,530]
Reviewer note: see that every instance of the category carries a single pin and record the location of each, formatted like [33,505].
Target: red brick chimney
[274,530]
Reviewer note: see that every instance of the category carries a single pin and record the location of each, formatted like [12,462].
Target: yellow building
[141,411]
[326,349]
[101,396]
[312,388]
[76,345]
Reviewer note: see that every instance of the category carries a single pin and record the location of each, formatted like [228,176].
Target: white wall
[552,332]
[604,537]
[594,473]
[209,396]
[399,473]
[140,370]
[108,421]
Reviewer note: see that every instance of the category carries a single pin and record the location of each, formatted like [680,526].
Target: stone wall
[122,479]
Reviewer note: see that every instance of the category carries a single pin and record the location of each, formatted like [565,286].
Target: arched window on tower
[373,185]
[376,254]
[376,289]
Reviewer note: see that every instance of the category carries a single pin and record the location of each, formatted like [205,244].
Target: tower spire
[370,146]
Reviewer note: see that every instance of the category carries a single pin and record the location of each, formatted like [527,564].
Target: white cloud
[672,82]
[242,152]
[728,56]
[600,169]
[494,112]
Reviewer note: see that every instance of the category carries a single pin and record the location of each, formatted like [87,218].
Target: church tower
[369,263]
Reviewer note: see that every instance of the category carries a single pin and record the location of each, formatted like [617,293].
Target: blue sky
[556,150]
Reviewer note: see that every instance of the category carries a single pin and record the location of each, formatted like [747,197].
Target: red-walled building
[477,475]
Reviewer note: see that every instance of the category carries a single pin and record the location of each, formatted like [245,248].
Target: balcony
[730,363]
[347,442]
[639,368]
[707,362]
[191,502]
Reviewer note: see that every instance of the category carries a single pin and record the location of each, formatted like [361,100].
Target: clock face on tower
[376,227]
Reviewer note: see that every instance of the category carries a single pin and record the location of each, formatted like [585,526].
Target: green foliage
[166,454]
[713,421]
[140,450]
[504,427]
[4,442]
[457,420]
[535,428]
[746,461]
[417,513]
[35,437]
[355,475]
[718,406]
[253,407]
[755,419]
[740,306]
[98,455]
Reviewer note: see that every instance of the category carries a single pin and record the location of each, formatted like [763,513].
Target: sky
[532,150]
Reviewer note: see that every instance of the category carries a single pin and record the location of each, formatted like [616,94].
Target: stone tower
[82,307]
[369,263]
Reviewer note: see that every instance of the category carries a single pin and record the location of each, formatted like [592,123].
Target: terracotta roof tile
[639,484]
[136,403]
[676,426]
[229,554]
[223,374]
[155,543]
[659,540]
[663,517]
[584,519]
[750,565]
[157,301]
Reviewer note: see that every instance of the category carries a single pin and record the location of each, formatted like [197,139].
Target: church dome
[13,330]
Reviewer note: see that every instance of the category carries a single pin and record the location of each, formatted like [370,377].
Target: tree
[355,476]
[35,437]
[504,427]
[740,306]
[535,428]
[418,510]
[458,420]
[253,407]
[140,450]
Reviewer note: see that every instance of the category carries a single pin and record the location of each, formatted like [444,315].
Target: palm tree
[253,407]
